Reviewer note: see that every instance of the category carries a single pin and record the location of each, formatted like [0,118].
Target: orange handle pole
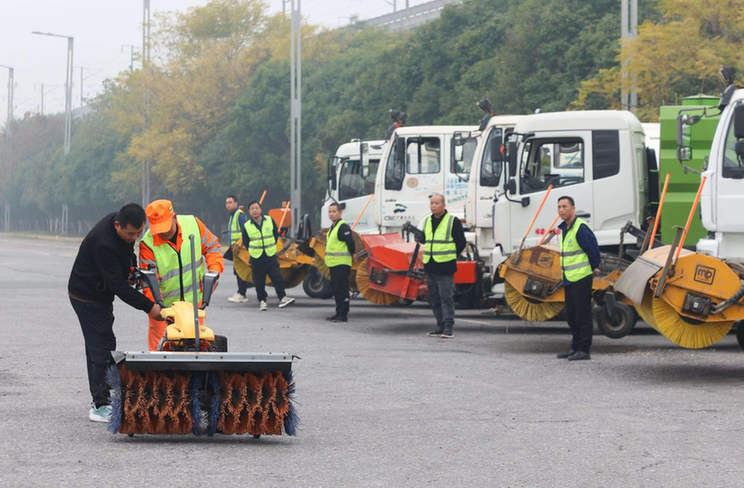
[550,229]
[369,200]
[539,209]
[658,212]
[284,214]
[260,202]
[689,219]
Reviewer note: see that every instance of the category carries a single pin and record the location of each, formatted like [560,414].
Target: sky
[101,29]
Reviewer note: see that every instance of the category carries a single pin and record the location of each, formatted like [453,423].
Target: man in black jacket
[441,246]
[103,269]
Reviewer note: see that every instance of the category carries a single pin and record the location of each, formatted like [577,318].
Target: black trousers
[579,313]
[242,285]
[263,267]
[97,322]
[340,287]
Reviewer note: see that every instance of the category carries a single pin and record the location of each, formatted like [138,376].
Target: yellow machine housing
[182,327]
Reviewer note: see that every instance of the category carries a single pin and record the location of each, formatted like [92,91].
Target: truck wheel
[618,324]
[315,286]
[740,333]
[219,344]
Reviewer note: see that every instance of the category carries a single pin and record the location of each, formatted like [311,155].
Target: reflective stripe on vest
[440,245]
[174,267]
[336,251]
[574,261]
[261,240]
[234,231]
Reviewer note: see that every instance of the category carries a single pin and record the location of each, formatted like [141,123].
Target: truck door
[458,173]
[727,187]
[489,178]
[407,189]
[557,159]
[353,192]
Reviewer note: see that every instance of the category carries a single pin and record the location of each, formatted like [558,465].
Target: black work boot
[340,318]
[565,354]
[332,318]
[579,356]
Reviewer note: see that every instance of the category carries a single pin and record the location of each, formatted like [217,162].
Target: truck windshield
[351,182]
[733,166]
[551,162]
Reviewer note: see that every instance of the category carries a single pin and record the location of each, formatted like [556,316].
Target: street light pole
[629,27]
[295,96]
[8,131]
[145,64]
[68,87]
[131,55]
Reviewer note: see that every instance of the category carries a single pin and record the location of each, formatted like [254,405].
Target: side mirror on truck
[364,158]
[331,170]
[739,130]
[400,150]
[512,155]
[684,151]
[511,186]
[497,156]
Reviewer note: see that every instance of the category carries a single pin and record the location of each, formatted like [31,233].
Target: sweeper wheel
[242,268]
[617,324]
[685,332]
[315,286]
[291,276]
[375,296]
[740,333]
[529,309]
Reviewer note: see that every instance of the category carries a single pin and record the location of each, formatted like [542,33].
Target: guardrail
[412,17]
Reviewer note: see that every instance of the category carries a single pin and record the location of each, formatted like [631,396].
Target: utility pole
[145,65]
[8,131]
[131,55]
[81,85]
[42,99]
[295,100]
[629,26]
[68,88]
[284,5]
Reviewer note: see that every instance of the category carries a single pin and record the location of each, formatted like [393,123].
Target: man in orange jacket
[166,248]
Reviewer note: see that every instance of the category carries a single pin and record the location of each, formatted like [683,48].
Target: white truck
[351,185]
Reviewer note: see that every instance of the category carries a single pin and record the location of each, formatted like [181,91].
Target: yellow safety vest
[174,267]
[336,251]
[440,245]
[234,231]
[574,261]
[261,240]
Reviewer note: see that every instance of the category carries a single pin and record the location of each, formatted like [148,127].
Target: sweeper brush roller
[204,394]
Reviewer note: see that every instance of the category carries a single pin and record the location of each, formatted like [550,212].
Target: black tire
[740,333]
[316,286]
[617,326]
[219,344]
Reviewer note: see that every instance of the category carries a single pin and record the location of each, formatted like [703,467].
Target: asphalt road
[380,403]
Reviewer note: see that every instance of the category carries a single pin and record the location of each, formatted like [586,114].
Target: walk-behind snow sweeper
[193,385]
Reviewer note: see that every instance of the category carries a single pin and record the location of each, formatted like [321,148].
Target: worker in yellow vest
[580,260]
[234,233]
[166,248]
[444,240]
[260,234]
[339,254]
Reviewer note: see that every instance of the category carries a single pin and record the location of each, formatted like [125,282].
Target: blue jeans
[441,297]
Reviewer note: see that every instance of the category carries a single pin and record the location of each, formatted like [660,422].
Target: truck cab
[351,183]
[722,197]
[417,162]
[487,177]
[597,157]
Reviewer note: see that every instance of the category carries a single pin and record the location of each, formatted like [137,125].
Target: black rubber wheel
[219,344]
[619,324]
[316,286]
[740,333]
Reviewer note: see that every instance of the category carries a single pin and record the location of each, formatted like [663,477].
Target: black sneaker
[579,356]
[332,318]
[565,354]
[340,318]
[435,333]
[447,334]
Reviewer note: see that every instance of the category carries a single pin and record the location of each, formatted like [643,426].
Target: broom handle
[284,214]
[689,218]
[550,229]
[260,201]
[658,212]
[362,212]
[539,209]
